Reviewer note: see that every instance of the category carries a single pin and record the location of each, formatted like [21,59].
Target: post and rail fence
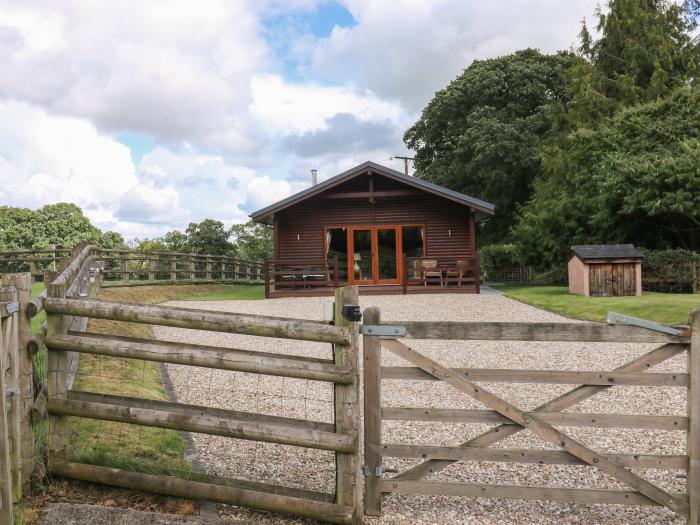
[69,301]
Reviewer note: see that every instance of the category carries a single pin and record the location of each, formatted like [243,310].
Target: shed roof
[265,214]
[607,251]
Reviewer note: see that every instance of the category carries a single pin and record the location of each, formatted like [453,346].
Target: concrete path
[487,290]
[68,514]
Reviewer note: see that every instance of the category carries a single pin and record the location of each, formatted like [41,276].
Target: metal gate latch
[383,329]
[378,472]
[11,392]
[617,319]
[12,308]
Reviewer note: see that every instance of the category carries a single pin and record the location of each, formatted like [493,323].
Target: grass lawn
[664,308]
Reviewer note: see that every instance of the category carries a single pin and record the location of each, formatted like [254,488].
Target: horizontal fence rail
[544,421]
[65,302]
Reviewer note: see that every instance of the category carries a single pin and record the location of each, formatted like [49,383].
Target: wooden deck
[371,289]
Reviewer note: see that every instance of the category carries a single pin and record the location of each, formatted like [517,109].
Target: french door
[374,255]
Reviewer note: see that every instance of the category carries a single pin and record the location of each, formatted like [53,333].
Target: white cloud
[284,107]
[173,69]
[53,159]
[406,50]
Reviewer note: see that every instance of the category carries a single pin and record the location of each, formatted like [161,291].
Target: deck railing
[441,271]
[300,274]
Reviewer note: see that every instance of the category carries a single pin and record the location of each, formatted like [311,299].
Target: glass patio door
[374,255]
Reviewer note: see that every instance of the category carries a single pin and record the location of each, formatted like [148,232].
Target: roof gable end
[479,205]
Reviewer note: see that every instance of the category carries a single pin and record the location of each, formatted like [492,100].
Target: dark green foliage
[252,240]
[208,237]
[61,224]
[635,179]
[481,134]
[625,165]
[670,270]
[498,256]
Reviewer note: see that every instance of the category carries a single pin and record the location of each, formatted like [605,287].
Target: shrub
[498,256]
[670,270]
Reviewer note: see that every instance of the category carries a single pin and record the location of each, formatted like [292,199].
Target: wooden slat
[219,492]
[576,377]
[372,357]
[526,455]
[565,419]
[693,437]
[199,319]
[191,418]
[205,356]
[577,332]
[346,400]
[562,402]
[541,428]
[476,490]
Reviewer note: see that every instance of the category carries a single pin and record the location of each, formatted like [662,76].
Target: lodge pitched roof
[264,214]
[606,251]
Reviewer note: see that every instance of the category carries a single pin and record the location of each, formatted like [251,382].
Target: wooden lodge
[377,228]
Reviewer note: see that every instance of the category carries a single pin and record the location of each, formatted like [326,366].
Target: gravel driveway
[313,470]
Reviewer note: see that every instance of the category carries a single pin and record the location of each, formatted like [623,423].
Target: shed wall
[579,277]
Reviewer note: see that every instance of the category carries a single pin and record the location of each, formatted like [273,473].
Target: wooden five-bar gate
[509,419]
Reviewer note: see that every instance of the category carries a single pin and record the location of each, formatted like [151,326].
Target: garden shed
[605,270]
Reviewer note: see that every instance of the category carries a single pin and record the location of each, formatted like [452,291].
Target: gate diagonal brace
[542,429]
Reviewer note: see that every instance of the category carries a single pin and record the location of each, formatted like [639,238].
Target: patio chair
[461,269]
[427,270]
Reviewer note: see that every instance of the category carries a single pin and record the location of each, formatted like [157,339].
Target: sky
[151,115]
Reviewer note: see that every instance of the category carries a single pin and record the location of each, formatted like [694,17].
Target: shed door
[611,280]
[601,280]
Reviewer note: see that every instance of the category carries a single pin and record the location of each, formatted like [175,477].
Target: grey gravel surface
[71,514]
[309,469]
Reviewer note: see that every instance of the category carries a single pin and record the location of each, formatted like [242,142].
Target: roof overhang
[266,215]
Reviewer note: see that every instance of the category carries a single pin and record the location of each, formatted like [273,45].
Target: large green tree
[252,240]
[634,179]
[626,168]
[61,224]
[208,237]
[481,134]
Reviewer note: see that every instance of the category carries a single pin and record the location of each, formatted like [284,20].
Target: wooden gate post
[57,374]
[347,412]
[693,442]
[5,462]
[372,359]
[22,283]
[12,404]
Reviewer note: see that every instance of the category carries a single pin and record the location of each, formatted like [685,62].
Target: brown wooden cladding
[613,279]
[446,222]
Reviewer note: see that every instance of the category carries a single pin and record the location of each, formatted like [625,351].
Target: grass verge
[664,308]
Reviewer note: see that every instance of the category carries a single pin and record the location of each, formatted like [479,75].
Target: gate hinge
[378,471]
[383,330]
[616,319]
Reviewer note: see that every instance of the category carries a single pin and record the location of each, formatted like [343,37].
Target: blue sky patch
[138,143]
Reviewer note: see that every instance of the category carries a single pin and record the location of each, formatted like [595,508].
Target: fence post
[347,413]
[11,373]
[57,374]
[25,367]
[5,462]
[693,436]
[125,267]
[223,268]
[266,272]
[193,274]
[208,267]
[173,268]
[372,355]
[151,268]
